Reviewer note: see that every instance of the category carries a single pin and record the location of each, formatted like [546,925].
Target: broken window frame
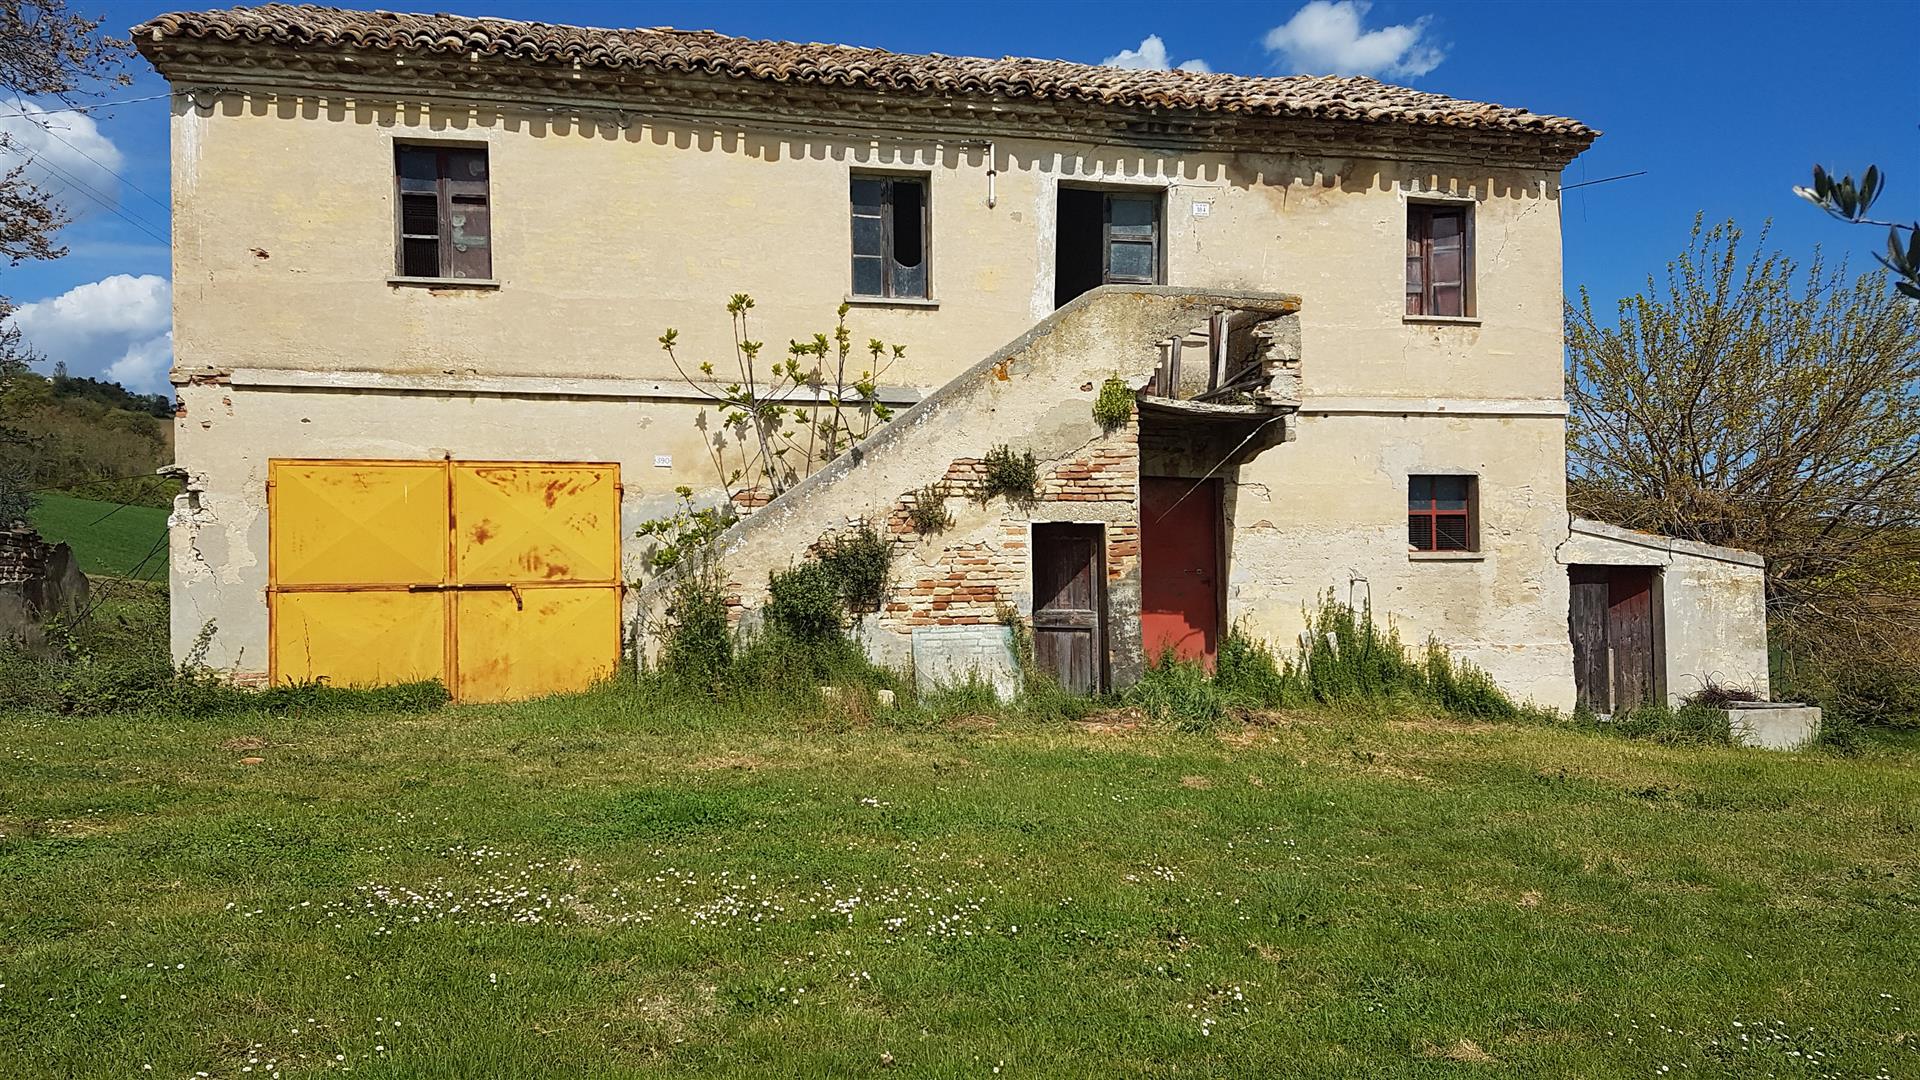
[1423,292]
[1427,514]
[891,286]
[450,192]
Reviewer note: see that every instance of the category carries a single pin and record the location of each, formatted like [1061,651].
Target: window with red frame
[1440,512]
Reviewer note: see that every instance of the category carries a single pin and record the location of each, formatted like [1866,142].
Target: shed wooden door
[500,579]
[1587,623]
[1630,634]
[1067,602]
[1614,626]
[1180,568]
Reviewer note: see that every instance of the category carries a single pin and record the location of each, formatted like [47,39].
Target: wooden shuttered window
[444,224]
[1439,260]
[1442,513]
[889,236]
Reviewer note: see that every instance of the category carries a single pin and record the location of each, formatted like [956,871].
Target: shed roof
[667,50]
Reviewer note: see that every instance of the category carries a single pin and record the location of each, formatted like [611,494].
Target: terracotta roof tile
[291,26]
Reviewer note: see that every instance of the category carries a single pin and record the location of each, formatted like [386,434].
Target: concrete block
[950,655]
[1774,725]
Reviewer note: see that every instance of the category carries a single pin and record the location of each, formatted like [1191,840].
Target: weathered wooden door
[1180,568]
[1630,634]
[1613,623]
[1587,623]
[1067,594]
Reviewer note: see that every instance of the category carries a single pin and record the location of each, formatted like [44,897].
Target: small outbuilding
[1654,618]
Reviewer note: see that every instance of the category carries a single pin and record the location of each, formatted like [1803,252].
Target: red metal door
[1180,568]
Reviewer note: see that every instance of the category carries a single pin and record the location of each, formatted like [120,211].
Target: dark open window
[889,236]
[444,230]
[1105,237]
[1439,260]
[1440,513]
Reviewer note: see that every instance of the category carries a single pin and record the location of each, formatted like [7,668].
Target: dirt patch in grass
[1118,722]
[1197,783]
[244,742]
[1463,1051]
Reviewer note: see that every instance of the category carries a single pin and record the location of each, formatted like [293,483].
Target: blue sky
[1726,106]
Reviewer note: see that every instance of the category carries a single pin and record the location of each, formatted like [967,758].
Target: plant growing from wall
[1014,476]
[929,514]
[1113,407]
[858,559]
[686,530]
[779,422]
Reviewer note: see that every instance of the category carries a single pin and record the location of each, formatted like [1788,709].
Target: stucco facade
[621,209]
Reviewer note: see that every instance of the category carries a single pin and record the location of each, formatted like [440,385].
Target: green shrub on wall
[858,560]
[1014,476]
[929,515]
[1114,407]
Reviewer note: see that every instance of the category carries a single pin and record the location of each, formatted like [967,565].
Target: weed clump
[1012,476]
[1113,408]
[858,560]
[1344,657]
[929,515]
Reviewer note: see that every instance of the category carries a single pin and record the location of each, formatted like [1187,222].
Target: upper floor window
[889,236]
[1441,512]
[1439,259]
[443,223]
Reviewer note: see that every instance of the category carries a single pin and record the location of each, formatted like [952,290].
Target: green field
[107,538]
[615,884]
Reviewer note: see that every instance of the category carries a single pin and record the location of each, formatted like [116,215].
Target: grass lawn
[594,886]
[107,538]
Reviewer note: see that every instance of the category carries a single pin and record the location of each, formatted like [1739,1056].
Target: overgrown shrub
[804,603]
[698,645]
[1012,476]
[929,515]
[1113,408]
[859,560]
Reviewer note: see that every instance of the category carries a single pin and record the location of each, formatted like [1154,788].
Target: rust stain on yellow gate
[501,579]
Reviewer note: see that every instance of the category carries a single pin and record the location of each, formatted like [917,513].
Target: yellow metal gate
[501,579]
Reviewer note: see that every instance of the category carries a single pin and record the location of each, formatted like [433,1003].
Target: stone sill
[1446,556]
[1443,320]
[893,301]
[444,282]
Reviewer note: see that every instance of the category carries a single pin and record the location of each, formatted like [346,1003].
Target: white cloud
[65,154]
[118,328]
[1326,38]
[1152,56]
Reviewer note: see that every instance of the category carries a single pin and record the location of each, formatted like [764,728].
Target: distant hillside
[87,437]
[107,537]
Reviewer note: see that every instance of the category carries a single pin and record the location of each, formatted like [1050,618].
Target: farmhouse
[422,264]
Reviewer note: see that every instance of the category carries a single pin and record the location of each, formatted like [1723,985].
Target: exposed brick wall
[969,581]
[23,555]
